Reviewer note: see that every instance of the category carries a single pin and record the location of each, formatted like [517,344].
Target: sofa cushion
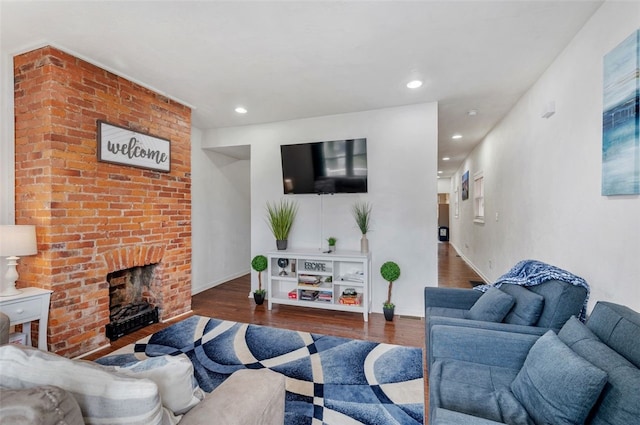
[456,313]
[174,376]
[582,341]
[248,396]
[45,405]
[449,417]
[100,392]
[528,305]
[575,331]
[511,410]
[555,384]
[619,403]
[492,306]
[561,301]
[618,327]
[468,387]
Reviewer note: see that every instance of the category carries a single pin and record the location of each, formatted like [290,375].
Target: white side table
[31,304]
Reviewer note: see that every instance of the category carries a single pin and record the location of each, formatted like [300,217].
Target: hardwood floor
[453,272]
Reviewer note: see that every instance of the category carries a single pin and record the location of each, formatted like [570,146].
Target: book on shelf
[352,277]
[305,279]
[325,296]
[310,285]
[307,295]
[350,299]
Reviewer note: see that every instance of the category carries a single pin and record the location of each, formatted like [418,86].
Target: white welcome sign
[119,145]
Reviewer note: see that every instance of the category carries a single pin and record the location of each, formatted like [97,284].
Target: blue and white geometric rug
[329,380]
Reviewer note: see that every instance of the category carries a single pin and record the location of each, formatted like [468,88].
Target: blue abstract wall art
[465,186]
[620,119]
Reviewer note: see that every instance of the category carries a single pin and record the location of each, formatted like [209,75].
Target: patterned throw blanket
[533,272]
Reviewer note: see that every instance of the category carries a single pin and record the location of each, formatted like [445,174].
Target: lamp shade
[17,240]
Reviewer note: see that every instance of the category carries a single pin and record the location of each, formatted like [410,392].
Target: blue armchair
[535,310]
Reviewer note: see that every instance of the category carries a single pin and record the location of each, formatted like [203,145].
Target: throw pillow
[174,376]
[619,402]
[100,392]
[575,331]
[528,305]
[492,306]
[556,385]
[46,405]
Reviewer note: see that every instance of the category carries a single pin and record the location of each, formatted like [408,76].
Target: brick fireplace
[93,218]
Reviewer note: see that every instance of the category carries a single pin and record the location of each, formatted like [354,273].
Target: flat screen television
[336,166]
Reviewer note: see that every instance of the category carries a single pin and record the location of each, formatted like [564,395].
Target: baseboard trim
[197,290]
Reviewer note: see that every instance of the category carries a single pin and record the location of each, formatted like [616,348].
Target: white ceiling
[294,59]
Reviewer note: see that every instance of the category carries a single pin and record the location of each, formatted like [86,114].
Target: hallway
[453,272]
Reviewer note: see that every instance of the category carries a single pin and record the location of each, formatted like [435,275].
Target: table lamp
[15,241]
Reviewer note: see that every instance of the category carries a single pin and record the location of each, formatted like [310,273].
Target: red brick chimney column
[89,214]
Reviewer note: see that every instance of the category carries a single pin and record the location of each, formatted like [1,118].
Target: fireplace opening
[131,302]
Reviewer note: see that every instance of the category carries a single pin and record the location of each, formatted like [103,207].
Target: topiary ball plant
[390,271]
[259,264]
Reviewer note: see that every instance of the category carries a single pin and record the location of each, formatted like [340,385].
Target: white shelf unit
[322,277]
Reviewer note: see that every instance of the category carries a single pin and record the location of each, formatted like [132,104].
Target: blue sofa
[583,374]
[555,301]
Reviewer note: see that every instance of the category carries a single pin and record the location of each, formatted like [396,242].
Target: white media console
[339,280]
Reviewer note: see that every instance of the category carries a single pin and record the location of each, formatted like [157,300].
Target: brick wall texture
[92,217]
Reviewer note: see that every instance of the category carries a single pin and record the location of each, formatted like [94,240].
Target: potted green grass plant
[390,271]
[259,264]
[332,243]
[362,214]
[280,218]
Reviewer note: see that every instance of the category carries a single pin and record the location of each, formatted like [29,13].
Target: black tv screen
[336,166]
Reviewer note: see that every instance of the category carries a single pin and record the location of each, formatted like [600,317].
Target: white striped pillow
[105,397]
[173,375]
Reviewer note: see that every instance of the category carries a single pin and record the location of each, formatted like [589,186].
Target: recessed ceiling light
[241,110]
[456,136]
[414,84]
[439,172]
[472,113]
[446,158]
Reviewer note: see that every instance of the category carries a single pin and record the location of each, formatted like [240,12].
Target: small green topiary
[390,271]
[259,264]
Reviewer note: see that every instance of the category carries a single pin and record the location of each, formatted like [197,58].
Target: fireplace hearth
[131,301]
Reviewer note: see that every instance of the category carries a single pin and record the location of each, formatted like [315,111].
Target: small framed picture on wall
[465,185]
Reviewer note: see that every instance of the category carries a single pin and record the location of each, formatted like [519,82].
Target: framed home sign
[119,145]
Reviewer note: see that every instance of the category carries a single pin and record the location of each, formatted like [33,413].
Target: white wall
[543,176]
[444,185]
[402,152]
[221,216]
